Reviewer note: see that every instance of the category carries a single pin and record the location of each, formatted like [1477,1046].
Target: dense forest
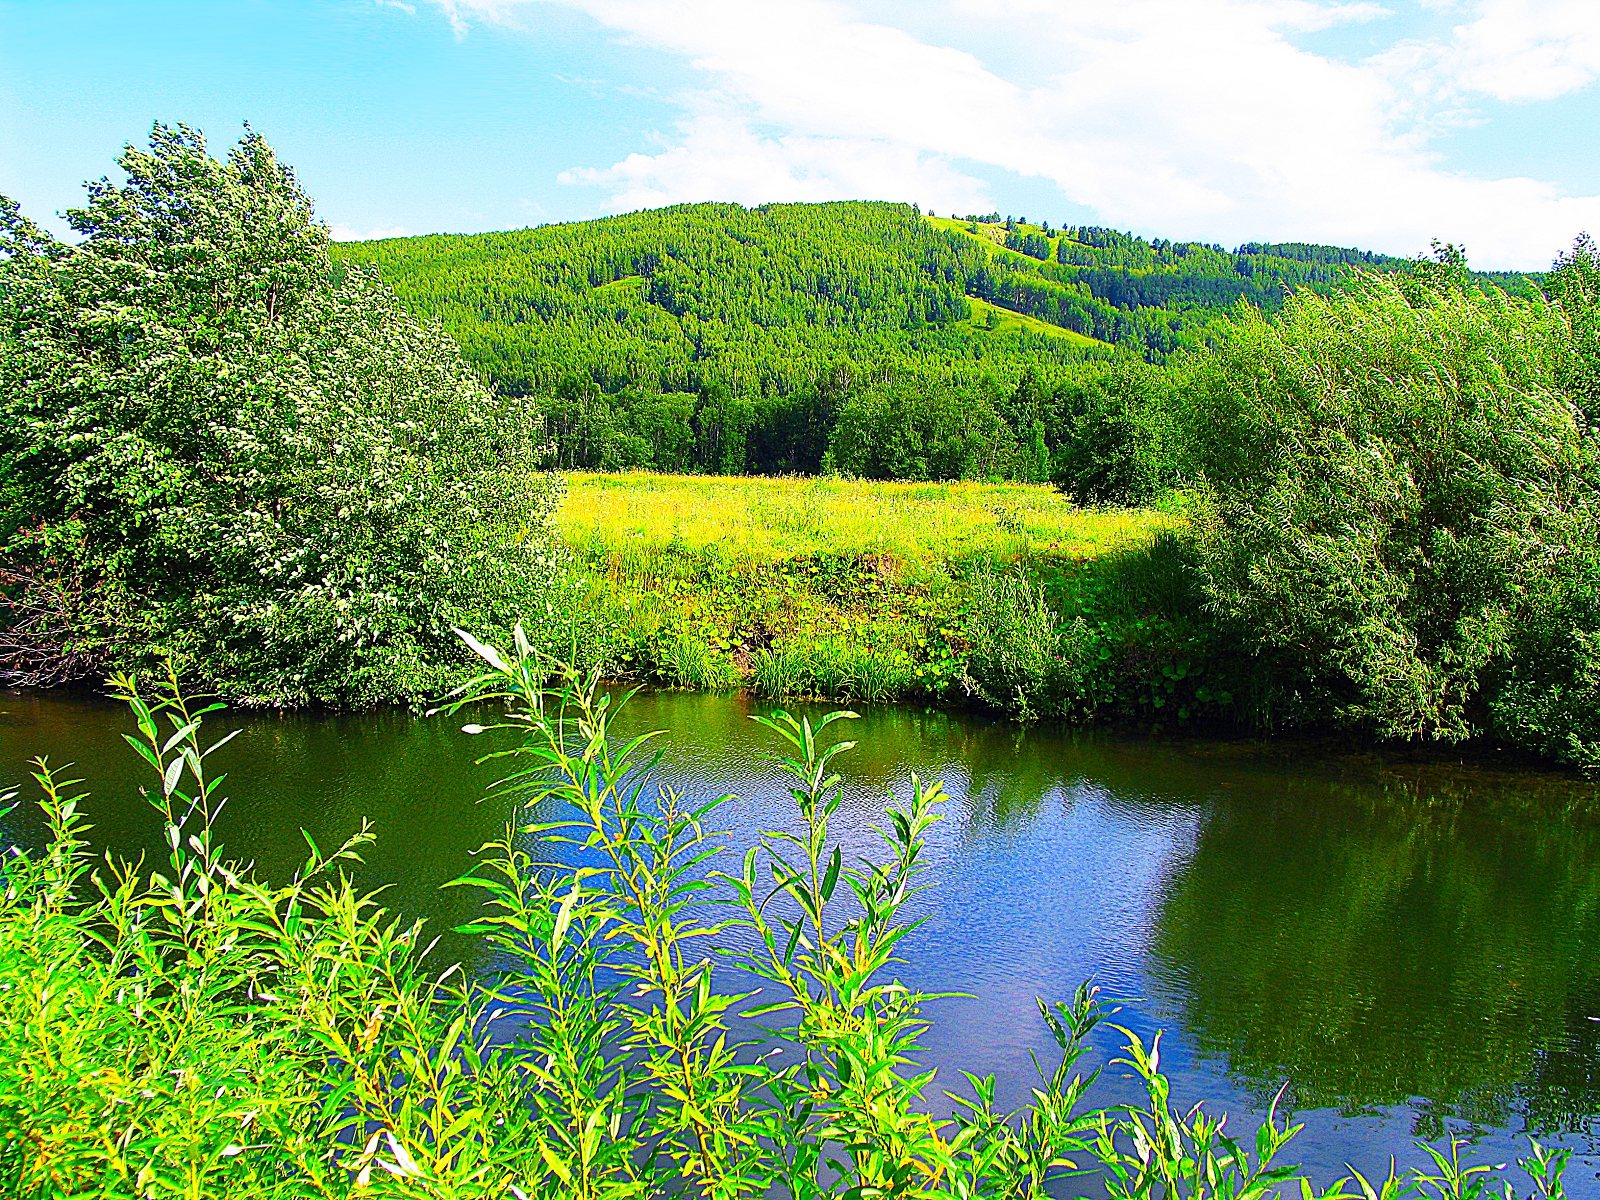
[865,338]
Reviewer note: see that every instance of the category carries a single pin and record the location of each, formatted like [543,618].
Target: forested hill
[692,297]
[861,337]
[768,300]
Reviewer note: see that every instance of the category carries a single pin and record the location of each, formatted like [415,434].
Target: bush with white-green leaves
[216,444]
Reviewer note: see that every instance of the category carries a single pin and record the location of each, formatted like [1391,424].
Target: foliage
[216,443]
[1015,658]
[892,591]
[1113,444]
[197,1032]
[1401,507]
[1574,283]
[854,337]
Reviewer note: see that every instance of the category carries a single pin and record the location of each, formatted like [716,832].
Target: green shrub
[1399,507]
[217,445]
[1015,644]
[1111,443]
[1544,694]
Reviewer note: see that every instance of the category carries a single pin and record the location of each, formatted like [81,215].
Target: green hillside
[858,336]
[771,298]
[688,298]
[1155,296]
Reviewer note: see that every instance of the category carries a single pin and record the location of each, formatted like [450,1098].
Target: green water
[1410,945]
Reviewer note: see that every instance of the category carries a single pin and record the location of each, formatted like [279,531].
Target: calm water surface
[1411,946]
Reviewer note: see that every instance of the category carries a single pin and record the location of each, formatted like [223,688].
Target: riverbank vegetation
[1369,495]
[216,445]
[189,1029]
[887,591]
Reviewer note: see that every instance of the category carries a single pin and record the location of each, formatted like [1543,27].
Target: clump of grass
[689,663]
[780,672]
[1015,661]
[832,670]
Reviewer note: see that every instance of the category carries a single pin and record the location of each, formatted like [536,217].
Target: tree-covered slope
[773,299]
[698,296]
[1153,296]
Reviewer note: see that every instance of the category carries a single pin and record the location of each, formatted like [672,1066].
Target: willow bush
[186,1029]
[216,444]
[1399,507]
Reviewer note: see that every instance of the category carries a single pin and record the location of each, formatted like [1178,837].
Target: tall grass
[639,516]
[857,590]
[185,1029]
[832,670]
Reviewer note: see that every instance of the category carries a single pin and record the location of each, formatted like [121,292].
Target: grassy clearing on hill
[883,591]
[1006,321]
[992,236]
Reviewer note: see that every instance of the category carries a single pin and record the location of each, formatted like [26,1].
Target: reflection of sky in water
[1369,930]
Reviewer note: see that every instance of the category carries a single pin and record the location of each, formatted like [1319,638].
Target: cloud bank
[1197,118]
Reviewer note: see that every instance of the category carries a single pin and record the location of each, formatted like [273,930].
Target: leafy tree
[1574,283]
[1111,438]
[217,443]
[896,431]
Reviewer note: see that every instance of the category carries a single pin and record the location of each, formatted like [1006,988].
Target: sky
[1360,123]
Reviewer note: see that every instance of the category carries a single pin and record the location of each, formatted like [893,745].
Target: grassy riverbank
[879,591]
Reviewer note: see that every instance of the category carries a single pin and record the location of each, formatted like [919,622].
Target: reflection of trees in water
[1562,1091]
[1418,939]
[1000,770]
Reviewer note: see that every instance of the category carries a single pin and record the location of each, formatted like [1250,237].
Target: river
[1411,943]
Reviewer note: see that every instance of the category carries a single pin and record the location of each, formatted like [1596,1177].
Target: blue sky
[1372,124]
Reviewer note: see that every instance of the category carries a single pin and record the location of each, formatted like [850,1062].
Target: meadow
[637,515]
[866,591]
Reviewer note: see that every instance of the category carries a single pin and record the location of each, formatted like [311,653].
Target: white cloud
[1515,50]
[720,156]
[1192,118]
[346,233]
